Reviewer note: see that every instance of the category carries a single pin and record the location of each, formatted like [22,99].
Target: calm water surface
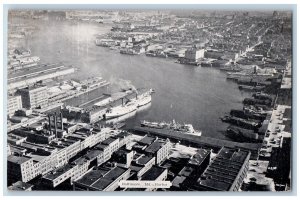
[189,94]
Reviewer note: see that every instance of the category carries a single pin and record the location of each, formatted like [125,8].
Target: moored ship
[186,128]
[144,98]
[120,110]
[131,106]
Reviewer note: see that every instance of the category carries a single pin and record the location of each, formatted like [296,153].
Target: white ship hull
[186,128]
[143,100]
[120,111]
[133,105]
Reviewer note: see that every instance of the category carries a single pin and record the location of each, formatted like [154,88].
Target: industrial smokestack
[49,121]
[55,124]
[61,121]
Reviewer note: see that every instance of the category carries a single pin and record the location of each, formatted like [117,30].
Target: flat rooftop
[108,178]
[18,159]
[147,140]
[33,87]
[101,178]
[109,140]
[155,146]
[153,173]
[91,155]
[37,74]
[101,146]
[20,186]
[144,159]
[35,69]
[122,134]
[92,176]
[223,171]
[57,173]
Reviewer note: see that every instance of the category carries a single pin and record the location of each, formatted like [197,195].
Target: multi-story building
[106,153]
[14,103]
[34,96]
[95,156]
[36,136]
[20,168]
[102,179]
[123,157]
[113,144]
[99,136]
[141,164]
[81,166]
[226,172]
[56,177]
[155,173]
[159,149]
[124,138]
[72,147]
[194,54]
[71,171]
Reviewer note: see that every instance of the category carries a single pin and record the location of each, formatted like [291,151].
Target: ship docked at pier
[174,126]
[130,106]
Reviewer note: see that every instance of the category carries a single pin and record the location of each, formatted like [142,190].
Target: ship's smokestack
[55,124]
[61,121]
[49,121]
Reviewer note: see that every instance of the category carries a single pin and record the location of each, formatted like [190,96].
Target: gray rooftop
[153,173]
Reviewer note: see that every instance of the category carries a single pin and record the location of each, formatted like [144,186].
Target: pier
[199,141]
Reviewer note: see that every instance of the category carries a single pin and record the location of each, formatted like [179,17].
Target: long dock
[199,141]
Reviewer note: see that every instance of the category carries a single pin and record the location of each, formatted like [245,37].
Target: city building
[34,96]
[14,103]
[226,172]
[113,144]
[140,165]
[72,147]
[101,179]
[123,157]
[69,172]
[37,136]
[15,139]
[159,149]
[194,54]
[106,153]
[124,138]
[155,173]
[20,186]
[95,156]
[20,168]
[36,76]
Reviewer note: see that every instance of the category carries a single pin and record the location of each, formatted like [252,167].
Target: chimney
[49,127]
[136,95]
[55,124]
[61,121]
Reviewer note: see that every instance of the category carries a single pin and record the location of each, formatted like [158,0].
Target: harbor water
[187,94]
